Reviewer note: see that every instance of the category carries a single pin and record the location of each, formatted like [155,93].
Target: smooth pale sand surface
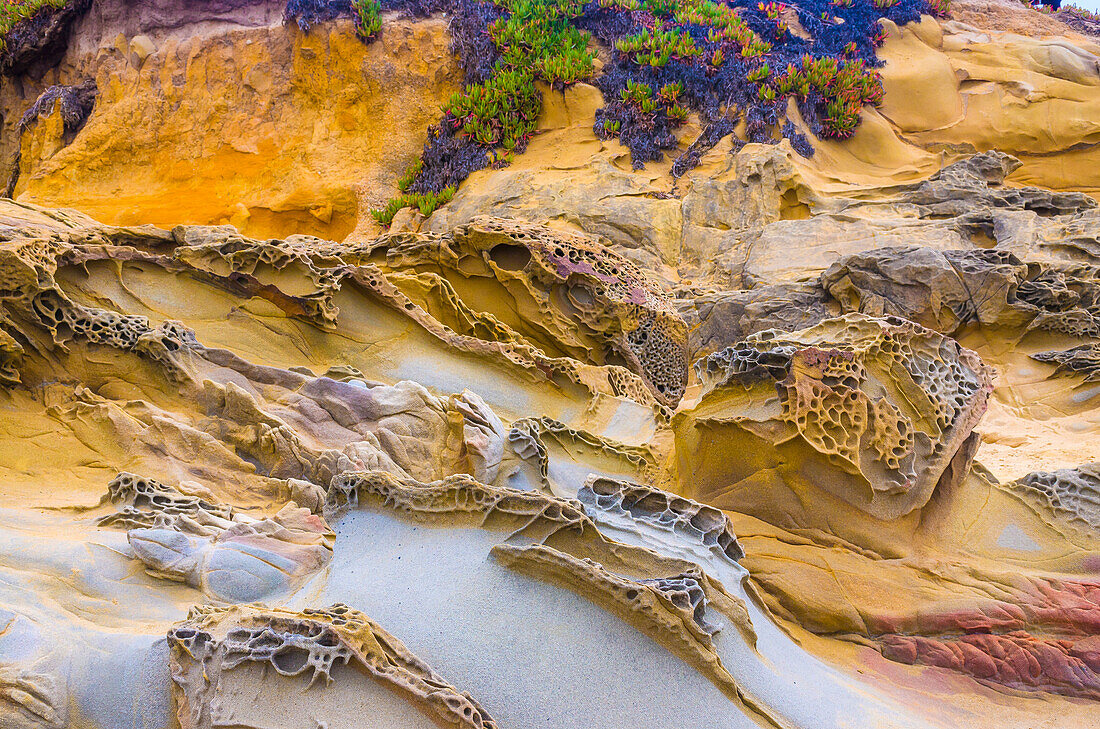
[111,679]
[533,654]
[61,569]
[779,674]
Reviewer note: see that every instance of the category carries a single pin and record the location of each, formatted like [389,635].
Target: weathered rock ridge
[254,123]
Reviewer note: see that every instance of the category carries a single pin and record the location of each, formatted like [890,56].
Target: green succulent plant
[543,41]
[368,21]
[427,203]
[656,47]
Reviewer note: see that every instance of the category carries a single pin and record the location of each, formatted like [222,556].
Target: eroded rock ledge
[213,642]
[484,432]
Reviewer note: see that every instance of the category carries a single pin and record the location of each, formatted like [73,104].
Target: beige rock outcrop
[873,411]
[566,293]
[315,127]
[955,86]
[534,491]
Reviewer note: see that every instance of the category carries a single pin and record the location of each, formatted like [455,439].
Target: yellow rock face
[273,130]
[959,88]
[836,413]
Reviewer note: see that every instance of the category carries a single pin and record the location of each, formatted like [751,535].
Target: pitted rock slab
[977,184]
[1072,495]
[871,410]
[308,644]
[1081,360]
[947,290]
[720,319]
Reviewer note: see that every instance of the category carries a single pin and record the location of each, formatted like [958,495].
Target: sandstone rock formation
[875,411]
[948,290]
[784,440]
[567,294]
[1073,495]
[215,648]
[228,556]
[252,122]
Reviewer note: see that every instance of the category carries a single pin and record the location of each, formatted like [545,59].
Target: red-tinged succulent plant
[671,57]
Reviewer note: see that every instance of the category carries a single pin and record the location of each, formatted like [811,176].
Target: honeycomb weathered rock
[664,510]
[213,641]
[871,410]
[224,553]
[977,184]
[1083,359]
[1071,494]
